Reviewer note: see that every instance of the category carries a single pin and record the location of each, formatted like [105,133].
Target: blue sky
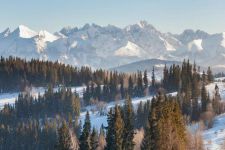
[166,15]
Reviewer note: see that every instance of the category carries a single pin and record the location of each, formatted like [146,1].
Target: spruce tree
[140,88]
[145,79]
[110,134]
[216,101]
[139,119]
[85,135]
[94,139]
[148,142]
[165,77]
[210,75]
[122,90]
[130,87]
[118,129]
[128,135]
[101,139]
[77,126]
[204,98]
[64,138]
[153,76]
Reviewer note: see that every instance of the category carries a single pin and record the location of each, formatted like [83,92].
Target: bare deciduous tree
[138,137]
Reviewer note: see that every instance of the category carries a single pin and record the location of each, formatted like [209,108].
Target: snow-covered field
[214,137]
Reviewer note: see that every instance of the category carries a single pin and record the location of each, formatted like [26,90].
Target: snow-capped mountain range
[111,46]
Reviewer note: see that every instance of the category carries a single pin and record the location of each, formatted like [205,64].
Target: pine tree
[217,107]
[64,138]
[101,140]
[94,139]
[195,94]
[153,76]
[118,128]
[77,126]
[110,134]
[186,103]
[122,90]
[204,98]
[85,136]
[145,79]
[148,142]
[177,120]
[75,104]
[140,88]
[210,75]
[130,87]
[128,136]
[139,120]
[165,77]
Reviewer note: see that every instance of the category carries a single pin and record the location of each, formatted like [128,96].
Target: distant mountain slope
[110,46]
[146,65]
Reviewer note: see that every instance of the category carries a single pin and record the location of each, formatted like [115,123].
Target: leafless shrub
[208,116]
[195,141]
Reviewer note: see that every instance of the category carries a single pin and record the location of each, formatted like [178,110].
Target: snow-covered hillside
[147,64]
[214,137]
[110,46]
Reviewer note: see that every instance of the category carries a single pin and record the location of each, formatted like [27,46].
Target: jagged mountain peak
[141,25]
[46,36]
[108,46]
[24,32]
[68,30]
[189,35]
[5,33]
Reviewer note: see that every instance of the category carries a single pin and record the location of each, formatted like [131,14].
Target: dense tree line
[16,74]
[62,102]
[114,88]
[190,84]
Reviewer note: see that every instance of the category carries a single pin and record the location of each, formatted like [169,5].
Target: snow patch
[168,46]
[223,41]
[130,49]
[160,65]
[46,36]
[215,136]
[195,44]
[74,44]
[25,32]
